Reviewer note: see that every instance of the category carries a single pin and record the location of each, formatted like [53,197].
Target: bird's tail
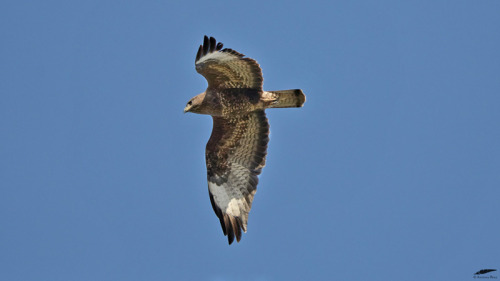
[287,98]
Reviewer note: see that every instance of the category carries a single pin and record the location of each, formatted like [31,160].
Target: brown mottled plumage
[236,151]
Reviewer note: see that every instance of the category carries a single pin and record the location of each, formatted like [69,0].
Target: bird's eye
[190,102]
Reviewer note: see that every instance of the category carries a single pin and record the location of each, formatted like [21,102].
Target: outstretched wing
[235,156]
[226,68]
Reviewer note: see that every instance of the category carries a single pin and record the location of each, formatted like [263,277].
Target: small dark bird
[484,271]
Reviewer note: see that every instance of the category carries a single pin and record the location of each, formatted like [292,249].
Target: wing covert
[226,68]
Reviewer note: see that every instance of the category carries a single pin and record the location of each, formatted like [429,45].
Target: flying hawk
[236,151]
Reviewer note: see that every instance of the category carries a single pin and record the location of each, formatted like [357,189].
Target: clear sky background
[391,171]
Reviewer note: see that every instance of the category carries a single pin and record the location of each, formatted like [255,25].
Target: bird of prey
[236,151]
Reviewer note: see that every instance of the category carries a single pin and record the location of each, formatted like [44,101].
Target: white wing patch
[216,56]
[220,195]
[231,204]
[232,196]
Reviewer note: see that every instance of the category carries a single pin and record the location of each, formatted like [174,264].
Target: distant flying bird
[236,151]
[484,271]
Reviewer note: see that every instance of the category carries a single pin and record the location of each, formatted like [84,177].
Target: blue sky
[391,171]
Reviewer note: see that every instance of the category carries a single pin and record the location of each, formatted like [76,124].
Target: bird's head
[194,104]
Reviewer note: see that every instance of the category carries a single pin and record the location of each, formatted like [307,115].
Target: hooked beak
[186,109]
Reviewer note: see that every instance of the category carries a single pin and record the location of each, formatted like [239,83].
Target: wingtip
[232,229]
[199,54]
[213,44]
[206,45]
[209,45]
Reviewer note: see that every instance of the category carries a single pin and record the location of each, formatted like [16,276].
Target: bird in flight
[236,151]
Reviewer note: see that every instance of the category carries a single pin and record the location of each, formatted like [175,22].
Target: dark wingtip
[210,45]
[233,229]
[230,234]
[200,53]
[206,45]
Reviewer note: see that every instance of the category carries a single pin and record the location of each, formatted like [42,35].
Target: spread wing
[226,68]
[235,156]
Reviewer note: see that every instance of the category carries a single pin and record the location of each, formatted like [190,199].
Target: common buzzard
[236,151]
